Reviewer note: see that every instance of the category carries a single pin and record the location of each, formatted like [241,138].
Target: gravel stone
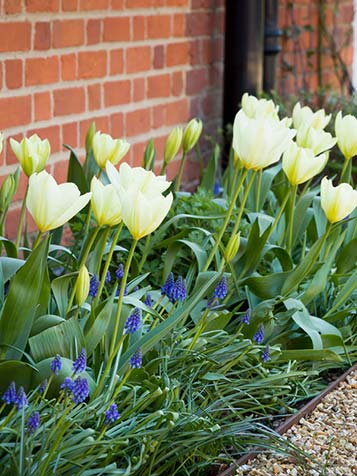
[328,435]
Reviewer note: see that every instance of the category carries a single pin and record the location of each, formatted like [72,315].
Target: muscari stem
[291,221]
[244,201]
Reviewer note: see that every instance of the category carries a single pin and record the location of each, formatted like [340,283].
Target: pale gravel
[328,435]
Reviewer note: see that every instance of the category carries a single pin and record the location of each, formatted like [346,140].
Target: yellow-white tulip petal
[191,134]
[106,205]
[304,116]
[52,205]
[32,153]
[346,133]
[337,202]
[106,149]
[259,142]
[315,139]
[256,108]
[300,164]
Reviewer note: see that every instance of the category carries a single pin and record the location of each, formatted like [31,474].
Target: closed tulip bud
[106,205]
[255,108]
[346,133]
[89,137]
[106,149]
[232,247]
[7,191]
[191,134]
[1,141]
[32,153]
[259,142]
[337,202]
[52,205]
[315,139]
[149,156]
[82,285]
[173,144]
[300,164]
[304,116]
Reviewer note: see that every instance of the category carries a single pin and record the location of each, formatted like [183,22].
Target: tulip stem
[145,253]
[163,168]
[102,249]
[37,240]
[282,208]
[120,299]
[81,263]
[244,201]
[107,263]
[346,172]
[259,185]
[226,220]
[21,220]
[291,219]
[179,176]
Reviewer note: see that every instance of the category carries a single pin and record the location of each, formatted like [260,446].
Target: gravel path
[328,434]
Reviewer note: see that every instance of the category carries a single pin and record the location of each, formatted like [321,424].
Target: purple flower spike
[33,422]
[56,364]
[21,399]
[168,286]
[221,290]
[42,387]
[80,390]
[125,291]
[111,415]
[79,365]
[67,385]
[136,360]
[119,273]
[107,278]
[148,300]
[266,354]
[133,322]
[245,319]
[9,396]
[259,335]
[93,286]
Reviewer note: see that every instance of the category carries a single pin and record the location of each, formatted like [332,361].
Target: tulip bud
[32,153]
[337,202]
[191,134]
[7,191]
[173,143]
[315,139]
[1,141]
[89,137]
[106,149]
[346,133]
[232,247]
[304,116]
[300,164]
[82,285]
[255,108]
[149,156]
[106,205]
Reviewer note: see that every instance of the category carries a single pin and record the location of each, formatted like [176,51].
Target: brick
[12,221]
[93,32]
[70,5]
[117,5]
[196,81]
[94,5]
[138,59]
[178,3]
[179,25]
[199,24]
[116,29]
[139,89]
[138,3]
[35,6]
[198,4]
[42,102]
[42,36]
[159,26]
[70,135]
[18,111]
[94,96]
[8,153]
[51,133]
[68,33]
[23,181]
[158,86]
[116,62]
[177,83]
[42,70]
[137,153]
[69,67]
[177,112]
[117,92]
[68,101]
[117,125]
[206,51]
[137,122]
[12,7]
[139,27]
[15,36]
[177,53]
[159,116]
[92,64]
[194,52]
[101,123]
[159,57]
[13,73]
[59,170]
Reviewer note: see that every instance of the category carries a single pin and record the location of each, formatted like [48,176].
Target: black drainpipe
[272,46]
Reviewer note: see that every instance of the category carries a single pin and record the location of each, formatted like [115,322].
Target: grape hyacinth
[67,385]
[136,360]
[107,278]
[168,286]
[80,390]
[56,364]
[9,396]
[119,273]
[79,365]
[221,290]
[133,322]
[245,319]
[21,399]
[33,422]
[42,387]
[93,286]
[266,354]
[178,292]
[111,415]
[216,188]
[125,291]
[148,300]
[259,335]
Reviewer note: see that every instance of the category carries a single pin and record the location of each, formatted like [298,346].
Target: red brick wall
[136,67]
[298,63]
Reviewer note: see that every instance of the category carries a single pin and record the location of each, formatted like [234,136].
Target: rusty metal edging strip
[291,421]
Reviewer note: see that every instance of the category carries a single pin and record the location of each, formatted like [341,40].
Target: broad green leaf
[209,175]
[347,258]
[301,217]
[344,293]
[170,257]
[309,354]
[16,371]
[22,302]
[10,247]
[75,172]
[198,251]
[60,339]
[44,322]
[267,287]
[97,330]
[60,291]
[10,266]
